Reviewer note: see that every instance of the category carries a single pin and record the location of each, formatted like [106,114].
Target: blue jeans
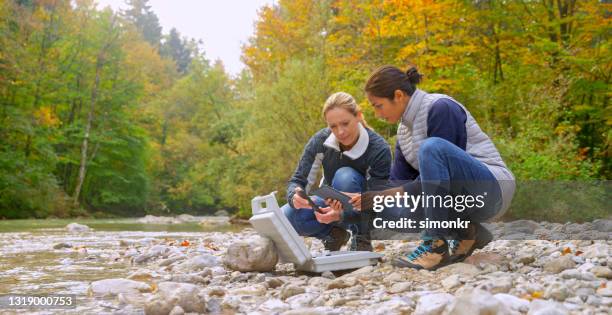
[446,169]
[304,221]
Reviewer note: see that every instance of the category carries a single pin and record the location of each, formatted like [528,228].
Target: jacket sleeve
[302,172]
[446,120]
[401,170]
[380,165]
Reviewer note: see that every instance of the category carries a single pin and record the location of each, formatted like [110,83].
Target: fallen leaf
[566,250]
[185,243]
[579,252]
[379,247]
[537,294]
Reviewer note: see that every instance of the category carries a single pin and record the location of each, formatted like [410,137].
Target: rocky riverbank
[162,273]
[506,277]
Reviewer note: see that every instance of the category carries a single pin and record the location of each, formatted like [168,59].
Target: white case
[270,221]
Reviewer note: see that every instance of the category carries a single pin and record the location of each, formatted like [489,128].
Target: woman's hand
[328,215]
[334,204]
[299,202]
[355,200]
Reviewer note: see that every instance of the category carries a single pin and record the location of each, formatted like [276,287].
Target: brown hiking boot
[431,254]
[476,237]
[336,239]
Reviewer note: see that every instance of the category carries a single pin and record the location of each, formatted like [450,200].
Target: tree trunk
[90,116]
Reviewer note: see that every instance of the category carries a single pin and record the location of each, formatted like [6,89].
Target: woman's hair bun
[414,77]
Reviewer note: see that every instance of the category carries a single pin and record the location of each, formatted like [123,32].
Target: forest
[104,114]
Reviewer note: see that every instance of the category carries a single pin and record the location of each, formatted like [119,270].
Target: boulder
[257,254]
[171,294]
[112,287]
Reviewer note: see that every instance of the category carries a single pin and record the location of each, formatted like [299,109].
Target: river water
[29,263]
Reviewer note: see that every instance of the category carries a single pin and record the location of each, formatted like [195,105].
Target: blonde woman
[352,157]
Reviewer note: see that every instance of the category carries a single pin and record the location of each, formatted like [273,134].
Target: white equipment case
[270,221]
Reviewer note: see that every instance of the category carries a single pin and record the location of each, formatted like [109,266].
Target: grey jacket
[370,156]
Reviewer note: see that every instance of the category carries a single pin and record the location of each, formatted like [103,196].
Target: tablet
[329,192]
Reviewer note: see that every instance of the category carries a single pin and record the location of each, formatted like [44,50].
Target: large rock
[112,287]
[559,264]
[476,302]
[171,294]
[545,307]
[512,302]
[75,227]
[257,254]
[433,304]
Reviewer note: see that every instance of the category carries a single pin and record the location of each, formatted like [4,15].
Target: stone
[197,263]
[75,227]
[607,291]
[216,291]
[255,290]
[546,307]
[112,287]
[172,294]
[451,282]
[170,260]
[593,300]
[526,258]
[328,275]
[597,250]
[341,283]
[602,272]
[460,269]
[476,302]
[189,278]
[497,285]
[482,259]
[62,245]
[512,302]
[557,291]
[394,306]
[559,264]
[433,304]
[177,310]
[308,311]
[274,283]
[257,254]
[301,300]
[291,290]
[399,287]
[273,306]
[155,252]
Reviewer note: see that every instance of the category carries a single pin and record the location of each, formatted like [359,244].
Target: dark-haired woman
[440,151]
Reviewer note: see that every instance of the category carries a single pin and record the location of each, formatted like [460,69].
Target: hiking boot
[361,243]
[431,254]
[476,237]
[336,239]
